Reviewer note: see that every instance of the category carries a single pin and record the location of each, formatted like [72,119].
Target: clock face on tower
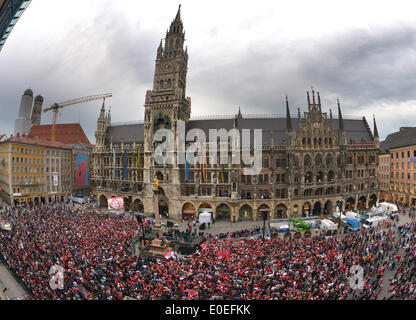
[166,67]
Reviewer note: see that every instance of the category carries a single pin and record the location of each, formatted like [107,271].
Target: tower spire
[341,121]
[102,113]
[313,97]
[178,15]
[375,128]
[319,102]
[288,119]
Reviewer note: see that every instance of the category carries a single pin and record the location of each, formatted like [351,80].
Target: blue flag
[187,170]
[125,165]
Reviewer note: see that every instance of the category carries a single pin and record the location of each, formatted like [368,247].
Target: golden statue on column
[156,183]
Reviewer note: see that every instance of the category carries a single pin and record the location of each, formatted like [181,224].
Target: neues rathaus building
[311,162]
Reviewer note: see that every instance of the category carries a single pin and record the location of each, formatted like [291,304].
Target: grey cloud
[363,67]
[110,53]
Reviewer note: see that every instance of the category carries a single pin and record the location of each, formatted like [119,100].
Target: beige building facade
[28,167]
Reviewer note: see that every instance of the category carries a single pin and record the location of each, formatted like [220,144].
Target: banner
[82,170]
[169,255]
[125,165]
[203,167]
[114,156]
[116,203]
[55,179]
[138,164]
[187,170]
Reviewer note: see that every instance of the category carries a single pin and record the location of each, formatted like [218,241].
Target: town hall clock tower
[165,105]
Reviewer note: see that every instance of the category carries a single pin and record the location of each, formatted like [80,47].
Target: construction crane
[56,106]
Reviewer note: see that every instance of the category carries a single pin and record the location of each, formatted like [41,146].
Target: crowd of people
[93,252]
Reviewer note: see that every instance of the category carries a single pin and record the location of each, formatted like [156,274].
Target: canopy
[205,217]
[388,207]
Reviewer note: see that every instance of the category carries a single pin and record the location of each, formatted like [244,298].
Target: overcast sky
[241,53]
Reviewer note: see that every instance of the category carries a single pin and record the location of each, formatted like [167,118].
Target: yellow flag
[203,168]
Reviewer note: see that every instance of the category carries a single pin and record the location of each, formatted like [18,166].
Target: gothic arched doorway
[223,212]
[306,210]
[328,207]
[246,212]
[317,209]
[372,201]
[349,204]
[361,203]
[188,210]
[263,207]
[138,205]
[281,211]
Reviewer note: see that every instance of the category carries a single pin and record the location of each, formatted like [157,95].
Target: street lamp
[139,217]
[264,213]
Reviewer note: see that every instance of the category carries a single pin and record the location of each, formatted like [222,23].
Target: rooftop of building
[356,128]
[69,133]
[406,136]
[24,139]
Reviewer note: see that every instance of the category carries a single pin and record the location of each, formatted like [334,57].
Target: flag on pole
[203,168]
[187,170]
[169,255]
[125,165]
[191,293]
[114,156]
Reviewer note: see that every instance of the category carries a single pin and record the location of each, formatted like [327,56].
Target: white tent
[388,207]
[205,217]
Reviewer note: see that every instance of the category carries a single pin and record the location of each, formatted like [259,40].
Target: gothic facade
[310,163]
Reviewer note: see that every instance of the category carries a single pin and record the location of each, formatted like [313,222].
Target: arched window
[297,178]
[265,162]
[169,83]
[329,160]
[319,176]
[307,161]
[177,44]
[171,43]
[296,161]
[308,177]
[162,84]
[318,160]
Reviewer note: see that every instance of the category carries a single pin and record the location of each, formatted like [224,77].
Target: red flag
[169,255]
[191,293]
